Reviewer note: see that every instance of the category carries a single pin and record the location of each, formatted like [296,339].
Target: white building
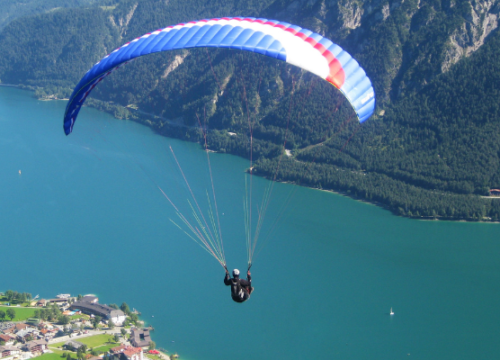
[96,309]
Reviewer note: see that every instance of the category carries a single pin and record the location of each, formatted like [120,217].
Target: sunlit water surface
[85,216]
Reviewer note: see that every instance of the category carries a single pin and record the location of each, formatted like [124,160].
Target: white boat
[391,312]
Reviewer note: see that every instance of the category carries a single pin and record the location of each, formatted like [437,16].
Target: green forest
[12,10]
[431,150]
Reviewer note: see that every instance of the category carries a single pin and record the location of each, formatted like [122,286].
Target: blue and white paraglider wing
[283,41]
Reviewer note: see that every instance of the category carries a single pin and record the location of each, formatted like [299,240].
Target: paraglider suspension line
[250,127]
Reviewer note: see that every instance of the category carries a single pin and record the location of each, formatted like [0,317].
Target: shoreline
[10,85]
[380,205]
[156,129]
[52,99]
[423,218]
[152,126]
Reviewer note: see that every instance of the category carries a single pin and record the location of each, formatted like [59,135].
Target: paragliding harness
[237,292]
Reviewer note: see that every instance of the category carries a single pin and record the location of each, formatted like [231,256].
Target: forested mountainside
[13,9]
[432,149]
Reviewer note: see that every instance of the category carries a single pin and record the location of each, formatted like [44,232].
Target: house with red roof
[20,327]
[127,353]
[8,340]
[117,349]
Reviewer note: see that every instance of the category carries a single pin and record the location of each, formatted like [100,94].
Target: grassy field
[101,341]
[79,316]
[106,348]
[57,351]
[57,345]
[21,313]
[49,357]
[152,356]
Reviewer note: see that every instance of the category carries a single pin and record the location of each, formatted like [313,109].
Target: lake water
[85,216]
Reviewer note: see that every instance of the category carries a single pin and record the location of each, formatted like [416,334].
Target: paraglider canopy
[272,38]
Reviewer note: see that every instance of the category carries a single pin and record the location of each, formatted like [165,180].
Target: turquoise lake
[84,215]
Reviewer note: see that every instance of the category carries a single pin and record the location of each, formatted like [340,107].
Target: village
[78,328]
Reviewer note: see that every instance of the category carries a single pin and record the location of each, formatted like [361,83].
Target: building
[33,322]
[75,328]
[132,353]
[41,302]
[117,349]
[47,334]
[8,351]
[7,339]
[5,326]
[73,345]
[96,309]
[59,302]
[126,353]
[20,327]
[36,346]
[23,335]
[90,298]
[140,337]
[9,330]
